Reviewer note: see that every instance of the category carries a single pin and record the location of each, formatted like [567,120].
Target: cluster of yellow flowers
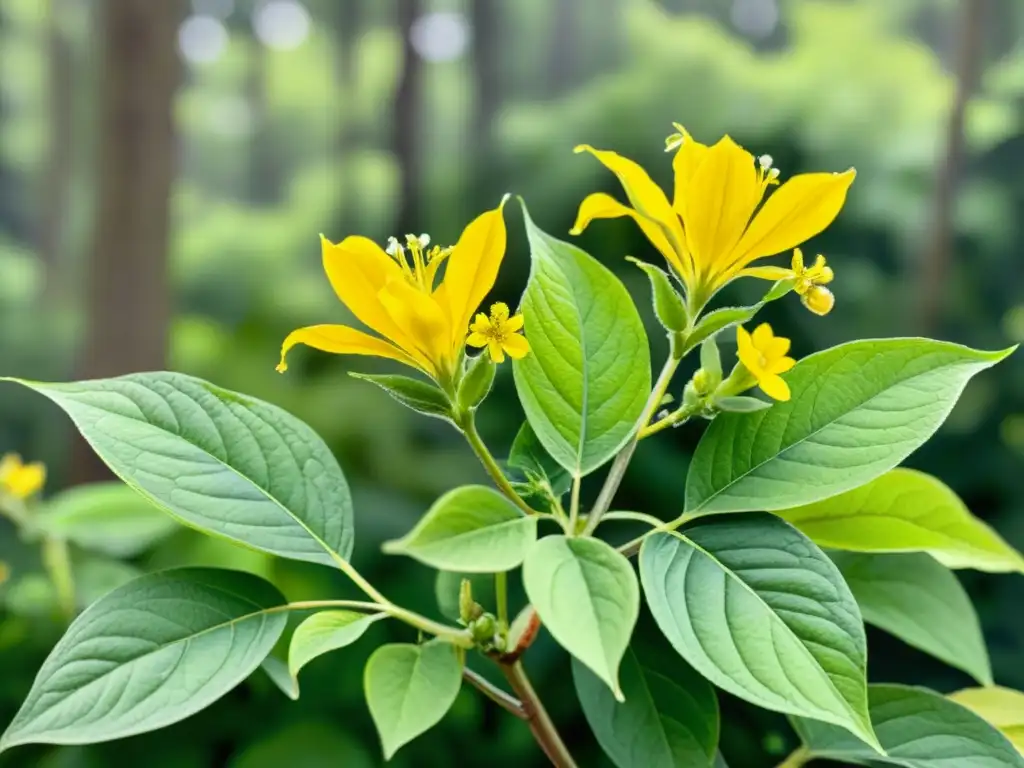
[720,220]
[20,480]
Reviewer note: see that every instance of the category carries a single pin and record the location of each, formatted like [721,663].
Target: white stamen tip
[393,246]
[765,161]
[424,240]
[773,173]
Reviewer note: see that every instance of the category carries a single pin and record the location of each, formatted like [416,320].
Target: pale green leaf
[584,384]
[587,597]
[324,632]
[668,304]
[761,612]
[716,321]
[1001,707]
[473,529]
[412,393]
[669,718]
[920,601]
[917,728]
[224,463]
[906,511]
[857,410]
[409,688]
[149,654]
[277,670]
[109,518]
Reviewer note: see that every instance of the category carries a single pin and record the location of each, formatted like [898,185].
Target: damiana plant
[797,524]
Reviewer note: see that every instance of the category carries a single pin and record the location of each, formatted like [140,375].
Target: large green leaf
[906,511]
[149,654]
[472,529]
[921,602]
[1001,707]
[324,632]
[587,596]
[669,718]
[917,728]
[109,518]
[409,688]
[760,611]
[584,384]
[857,410]
[219,461]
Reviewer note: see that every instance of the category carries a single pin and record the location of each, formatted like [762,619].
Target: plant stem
[501,597]
[799,758]
[618,468]
[679,416]
[494,693]
[482,453]
[57,560]
[537,717]
[574,505]
[639,517]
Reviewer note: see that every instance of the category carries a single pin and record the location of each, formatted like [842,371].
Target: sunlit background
[166,169]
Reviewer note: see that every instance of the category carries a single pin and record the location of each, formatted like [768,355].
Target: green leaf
[221,462]
[412,393]
[1001,707]
[477,382]
[149,654]
[857,410]
[109,518]
[277,670]
[324,632]
[921,602]
[668,304]
[713,322]
[472,529]
[584,384]
[761,612]
[741,404]
[409,688]
[530,457]
[587,596]
[669,717]
[906,511]
[917,728]
[446,590]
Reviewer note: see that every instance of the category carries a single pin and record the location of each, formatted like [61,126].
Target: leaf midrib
[266,493]
[823,427]
[775,617]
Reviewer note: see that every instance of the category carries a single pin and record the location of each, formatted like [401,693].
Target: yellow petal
[774,387]
[477,339]
[644,195]
[762,336]
[688,158]
[780,365]
[719,203]
[776,347]
[422,319]
[517,346]
[745,351]
[24,480]
[602,206]
[342,340]
[497,353]
[766,273]
[481,324]
[798,260]
[796,212]
[499,311]
[358,269]
[514,324]
[473,267]
[9,464]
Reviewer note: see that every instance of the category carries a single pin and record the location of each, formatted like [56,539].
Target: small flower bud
[818,299]
[483,629]
[469,611]
[477,382]
[702,382]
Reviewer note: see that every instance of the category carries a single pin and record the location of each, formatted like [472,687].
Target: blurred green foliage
[835,84]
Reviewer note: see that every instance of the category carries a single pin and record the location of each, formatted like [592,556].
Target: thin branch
[504,700]
[537,718]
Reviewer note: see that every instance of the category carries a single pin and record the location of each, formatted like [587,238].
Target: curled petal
[342,340]
[766,273]
[473,267]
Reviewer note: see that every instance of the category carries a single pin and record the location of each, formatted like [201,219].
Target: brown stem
[495,694]
[537,718]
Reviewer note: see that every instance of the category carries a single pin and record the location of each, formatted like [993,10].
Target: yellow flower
[21,480]
[394,294]
[716,224]
[811,281]
[763,354]
[498,334]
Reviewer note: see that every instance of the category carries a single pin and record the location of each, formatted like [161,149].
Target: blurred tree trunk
[128,300]
[562,55]
[938,256]
[485,17]
[266,177]
[406,120]
[347,17]
[53,220]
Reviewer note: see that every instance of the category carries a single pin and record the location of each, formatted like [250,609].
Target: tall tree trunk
[938,255]
[56,192]
[486,23]
[347,17]
[406,120]
[128,295]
